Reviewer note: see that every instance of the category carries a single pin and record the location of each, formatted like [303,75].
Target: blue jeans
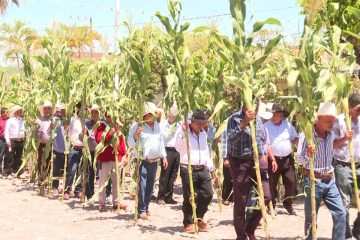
[72,167]
[326,190]
[147,174]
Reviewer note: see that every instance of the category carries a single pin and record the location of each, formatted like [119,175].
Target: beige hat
[60,106]
[327,109]
[46,104]
[94,107]
[16,108]
[264,112]
[150,107]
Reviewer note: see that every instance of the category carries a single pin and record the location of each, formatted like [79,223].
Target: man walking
[342,164]
[282,136]
[168,175]
[241,156]
[202,170]
[4,151]
[325,187]
[15,136]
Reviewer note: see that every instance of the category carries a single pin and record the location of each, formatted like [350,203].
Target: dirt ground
[25,215]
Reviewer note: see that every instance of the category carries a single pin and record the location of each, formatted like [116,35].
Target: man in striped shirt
[325,187]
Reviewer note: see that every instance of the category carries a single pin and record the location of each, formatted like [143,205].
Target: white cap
[150,107]
[327,109]
[47,104]
[60,106]
[95,107]
[16,108]
[263,111]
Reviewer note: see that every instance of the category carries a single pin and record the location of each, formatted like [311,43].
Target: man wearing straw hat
[89,124]
[342,164]
[59,144]
[43,134]
[325,187]
[152,142]
[4,151]
[14,135]
[202,170]
[282,137]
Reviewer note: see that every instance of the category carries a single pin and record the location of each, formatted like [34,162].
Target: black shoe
[171,201]
[290,210]
[153,198]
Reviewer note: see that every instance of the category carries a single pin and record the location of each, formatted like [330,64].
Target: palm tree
[4,5]
[16,40]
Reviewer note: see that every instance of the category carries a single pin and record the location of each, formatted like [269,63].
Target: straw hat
[327,109]
[150,107]
[94,107]
[46,104]
[278,108]
[60,106]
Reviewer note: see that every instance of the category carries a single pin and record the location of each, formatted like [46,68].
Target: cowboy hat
[94,107]
[327,109]
[278,108]
[15,108]
[198,116]
[60,106]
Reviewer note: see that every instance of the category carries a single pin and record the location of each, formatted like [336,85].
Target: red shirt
[2,127]
[108,154]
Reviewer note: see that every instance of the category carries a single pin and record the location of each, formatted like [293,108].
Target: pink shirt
[2,127]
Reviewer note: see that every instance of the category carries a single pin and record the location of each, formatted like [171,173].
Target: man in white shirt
[282,137]
[341,154]
[76,146]
[202,170]
[14,136]
[168,175]
[153,149]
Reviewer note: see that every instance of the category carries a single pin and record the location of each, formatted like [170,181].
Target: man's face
[354,112]
[95,115]
[47,111]
[149,118]
[107,119]
[171,118]
[18,113]
[326,122]
[277,118]
[196,126]
[5,114]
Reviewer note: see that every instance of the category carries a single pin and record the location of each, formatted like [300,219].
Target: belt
[17,139]
[79,148]
[153,160]
[322,176]
[250,157]
[194,167]
[283,158]
[170,149]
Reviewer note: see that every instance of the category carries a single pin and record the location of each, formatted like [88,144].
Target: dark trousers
[58,169]
[42,167]
[203,192]
[72,170]
[227,185]
[286,170]
[4,155]
[89,188]
[17,148]
[168,175]
[243,174]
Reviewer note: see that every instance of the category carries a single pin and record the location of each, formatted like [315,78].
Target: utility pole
[116,49]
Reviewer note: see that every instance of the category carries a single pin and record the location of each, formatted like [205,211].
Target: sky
[40,14]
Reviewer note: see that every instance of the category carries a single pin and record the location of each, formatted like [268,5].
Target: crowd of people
[163,142]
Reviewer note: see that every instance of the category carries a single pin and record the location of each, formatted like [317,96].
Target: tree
[16,40]
[4,5]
